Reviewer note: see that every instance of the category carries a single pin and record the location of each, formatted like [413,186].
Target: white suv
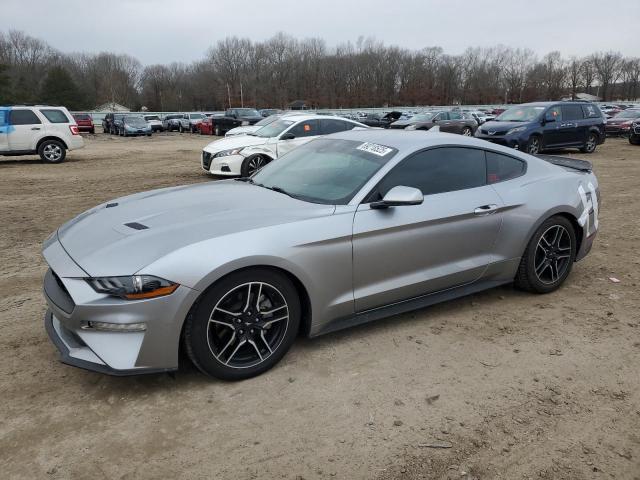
[44,130]
[243,155]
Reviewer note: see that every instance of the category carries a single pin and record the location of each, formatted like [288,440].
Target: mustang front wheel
[243,325]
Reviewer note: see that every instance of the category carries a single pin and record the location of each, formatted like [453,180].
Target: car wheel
[243,325]
[252,164]
[592,143]
[467,132]
[549,257]
[52,151]
[218,131]
[533,145]
[634,139]
[92,131]
[181,128]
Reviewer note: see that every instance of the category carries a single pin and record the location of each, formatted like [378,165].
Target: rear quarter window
[502,167]
[591,111]
[55,116]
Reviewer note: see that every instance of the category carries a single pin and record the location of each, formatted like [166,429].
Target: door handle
[486,209]
[35,128]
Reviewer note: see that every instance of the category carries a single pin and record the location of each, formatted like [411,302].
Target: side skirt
[406,306]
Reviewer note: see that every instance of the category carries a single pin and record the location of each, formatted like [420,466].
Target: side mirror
[399,196]
[287,136]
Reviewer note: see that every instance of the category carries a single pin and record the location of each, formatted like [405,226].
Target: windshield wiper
[276,189]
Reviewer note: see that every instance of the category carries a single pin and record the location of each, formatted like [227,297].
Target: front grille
[206,160]
[497,132]
[636,128]
[397,126]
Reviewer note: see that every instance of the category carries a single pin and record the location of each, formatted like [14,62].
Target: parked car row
[126,125]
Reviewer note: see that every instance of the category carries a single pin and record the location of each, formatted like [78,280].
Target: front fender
[267,150]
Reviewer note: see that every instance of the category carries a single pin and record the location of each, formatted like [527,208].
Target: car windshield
[327,171]
[628,114]
[267,121]
[247,112]
[197,115]
[151,117]
[135,121]
[273,129]
[520,114]
[423,117]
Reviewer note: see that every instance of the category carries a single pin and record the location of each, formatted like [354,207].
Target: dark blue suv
[534,127]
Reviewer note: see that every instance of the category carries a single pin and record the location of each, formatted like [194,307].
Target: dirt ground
[515,385]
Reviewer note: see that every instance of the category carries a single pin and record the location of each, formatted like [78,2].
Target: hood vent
[136,226]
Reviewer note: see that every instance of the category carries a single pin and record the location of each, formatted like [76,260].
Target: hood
[617,120]
[236,141]
[402,123]
[139,229]
[242,130]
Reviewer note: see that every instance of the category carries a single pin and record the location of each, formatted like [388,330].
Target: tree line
[275,72]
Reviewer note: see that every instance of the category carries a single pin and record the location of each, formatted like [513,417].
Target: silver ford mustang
[346,229]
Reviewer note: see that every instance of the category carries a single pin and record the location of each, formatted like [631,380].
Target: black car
[380,120]
[107,123]
[235,117]
[534,127]
[634,133]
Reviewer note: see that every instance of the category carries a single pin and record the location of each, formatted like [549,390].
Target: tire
[241,342]
[92,131]
[546,264]
[634,139]
[180,129]
[534,145]
[592,143]
[218,131]
[467,132]
[52,151]
[253,163]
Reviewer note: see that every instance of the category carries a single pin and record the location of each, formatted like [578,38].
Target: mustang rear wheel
[549,257]
[243,325]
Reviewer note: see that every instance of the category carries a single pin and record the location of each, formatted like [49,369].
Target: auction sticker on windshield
[379,150]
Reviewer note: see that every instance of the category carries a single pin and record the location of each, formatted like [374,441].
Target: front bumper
[73,303]
[511,141]
[229,165]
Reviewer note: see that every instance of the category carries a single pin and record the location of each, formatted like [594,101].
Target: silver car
[343,230]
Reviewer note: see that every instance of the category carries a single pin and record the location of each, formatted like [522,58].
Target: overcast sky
[162,31]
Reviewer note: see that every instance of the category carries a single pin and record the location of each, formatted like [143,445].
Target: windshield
[135,121]
[267,121]
[423,117]
[628,114]
[273,129]
[325,171]
[520,114]
[151,117]
[247,112]
[196,115]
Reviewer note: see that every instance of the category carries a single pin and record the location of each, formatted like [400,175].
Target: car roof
[407,142]
[313,116]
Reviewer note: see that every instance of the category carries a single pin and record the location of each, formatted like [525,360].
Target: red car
[205,126]
[85,122]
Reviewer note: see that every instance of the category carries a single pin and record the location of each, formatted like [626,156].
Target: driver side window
[438,170]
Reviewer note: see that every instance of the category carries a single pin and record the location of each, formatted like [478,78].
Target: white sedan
[243,155]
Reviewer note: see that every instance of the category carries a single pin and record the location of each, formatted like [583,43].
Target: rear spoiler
[582,165]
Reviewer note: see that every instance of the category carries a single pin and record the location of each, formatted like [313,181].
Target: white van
[44,130]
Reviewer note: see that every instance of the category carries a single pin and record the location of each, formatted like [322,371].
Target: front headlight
[136,287]
[226,153]
[516,130]
[244,123]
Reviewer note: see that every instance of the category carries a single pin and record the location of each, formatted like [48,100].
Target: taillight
[74,129]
